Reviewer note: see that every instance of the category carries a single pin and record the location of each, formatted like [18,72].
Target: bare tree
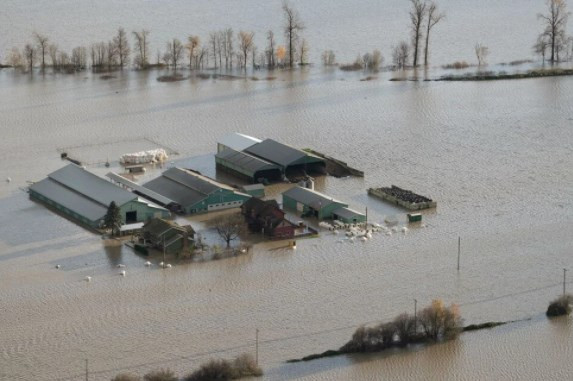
[53,53]
[142,48]
[204,57]
[111,55]
[30,55]
[303,52]
[213,37]
[372,61]
[229,50]
[482,52]
[555,22]
[292,28]
[220,45]
[229,227]
[401,55]
[541,46]
[192,47]
[79,58]
[122,47]
[245,45]
[174,53]
[15,58]
[42,42]
[434,17]
[417,15]
[328,58]
[270,52]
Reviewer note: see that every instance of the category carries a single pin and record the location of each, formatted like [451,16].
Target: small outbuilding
[194,192]
[85,197]
[309,202]
[255,190]
[164,234]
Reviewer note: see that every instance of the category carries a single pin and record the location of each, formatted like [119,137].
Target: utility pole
[163,250]
[459,251]
[257,347]
[415,316]
[564,278]
[87,371]
[366,217]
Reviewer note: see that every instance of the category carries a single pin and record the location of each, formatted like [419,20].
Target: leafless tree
[245,46]
[555,23]
[98,55]
[541,46]
[204,57]
[482,52]
[433,17]
[401,55]
[328,58]
[229,48]
[405,327]
[417,16]
[174,53]
[220,45]
[111,55]
[15,58]
[270,51]
[292,28]
[30,55]
[42,42]
[63,60]
[372,61]
[122,47]
[303,52]
[53,53]
[79,58]
[142,48]
[213,43]
[192,47]
[229,227]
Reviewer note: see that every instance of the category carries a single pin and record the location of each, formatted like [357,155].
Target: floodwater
[497,156]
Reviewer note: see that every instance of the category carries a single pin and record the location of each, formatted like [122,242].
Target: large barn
[195,193]
[85,197]
[264,161]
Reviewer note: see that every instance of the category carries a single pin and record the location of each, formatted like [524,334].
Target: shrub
[439,321]
[126,377]
[457,65]
[245,366]
[220,370]
[405,328]
[160,375]
[560,306]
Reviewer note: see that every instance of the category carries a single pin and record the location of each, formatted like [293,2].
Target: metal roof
[238,141]
[192,180]
[347,213]
[175,191]
[140,189]
[69,199]
[276,152]
[245,161]
[94,187]
[312,198]
[251,187]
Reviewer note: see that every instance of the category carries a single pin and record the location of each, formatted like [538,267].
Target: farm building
[85,197]
[268,218]
[247,167]
[194,192]
[289,159]
[255,190]
[312,203]
[163,234]
[236,142]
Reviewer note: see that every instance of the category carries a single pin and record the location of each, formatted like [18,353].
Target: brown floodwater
[497,156]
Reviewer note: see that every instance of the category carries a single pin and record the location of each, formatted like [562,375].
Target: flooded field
[497,156]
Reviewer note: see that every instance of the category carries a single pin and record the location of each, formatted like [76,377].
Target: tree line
[226,49]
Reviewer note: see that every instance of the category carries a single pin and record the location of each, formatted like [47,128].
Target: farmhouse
[268,218]
[168,235]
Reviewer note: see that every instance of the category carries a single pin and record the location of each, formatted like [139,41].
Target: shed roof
[192,180]
[245,161]
[251,187]
[348,213]
[175,191]
[140,189]
[76,202]
[91,186]
[312,198]
[276,152]
[238,141]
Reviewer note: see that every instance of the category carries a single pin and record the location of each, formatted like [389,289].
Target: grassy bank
[490,76]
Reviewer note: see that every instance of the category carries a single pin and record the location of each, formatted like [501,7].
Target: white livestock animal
[120,266]
[147,263]
[88,279]
[168,266]
[122,273]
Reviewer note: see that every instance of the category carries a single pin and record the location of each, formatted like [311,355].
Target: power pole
[87,371]
[163,250]
[257,347]
[459,251]
[564,279]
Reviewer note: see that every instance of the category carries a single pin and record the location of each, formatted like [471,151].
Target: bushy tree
[160,375]
[112,219]
[439,321]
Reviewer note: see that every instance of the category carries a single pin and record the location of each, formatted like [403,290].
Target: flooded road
[497,156]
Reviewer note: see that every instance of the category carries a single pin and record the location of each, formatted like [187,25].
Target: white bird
[161,264]
[58,266]
[120,266]
[147,263]
[364,239]
[8,179]
[88,279]
[388,233]
[122,273]
[368,235]
[404,229]
[168,266]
